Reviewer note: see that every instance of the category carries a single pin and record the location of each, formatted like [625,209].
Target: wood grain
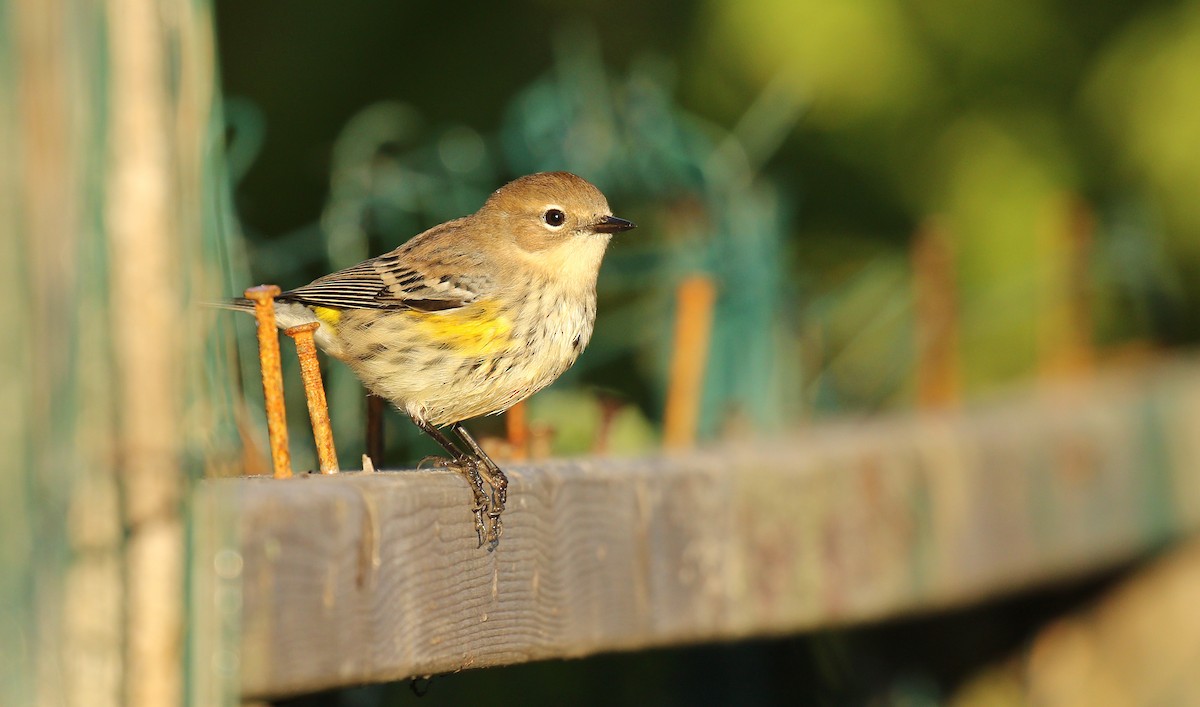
[373,577]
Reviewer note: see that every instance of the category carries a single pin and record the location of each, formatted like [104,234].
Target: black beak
[612,224]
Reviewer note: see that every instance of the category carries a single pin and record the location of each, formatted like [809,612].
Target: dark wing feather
[438,285]
[393,281]
[356,287]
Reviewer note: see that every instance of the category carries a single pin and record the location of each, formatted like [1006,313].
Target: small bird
[470,317]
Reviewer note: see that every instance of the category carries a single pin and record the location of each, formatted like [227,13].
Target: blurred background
[897,203]
[846,209]
[796,154]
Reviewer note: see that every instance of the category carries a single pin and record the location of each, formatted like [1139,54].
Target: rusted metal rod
[263,297]
[936,301]
[314,392]
[517,427]
[1065,324]
[695,299]
[375,441]
[610,407]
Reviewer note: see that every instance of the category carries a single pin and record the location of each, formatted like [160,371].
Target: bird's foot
[489,490]
[481,501]
[496,502]
[438,462]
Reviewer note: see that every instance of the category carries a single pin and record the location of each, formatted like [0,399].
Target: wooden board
[373,577]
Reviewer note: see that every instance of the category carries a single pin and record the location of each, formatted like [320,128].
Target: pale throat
[574,261]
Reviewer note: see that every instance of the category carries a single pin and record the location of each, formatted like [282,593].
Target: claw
[481,502]
[498,482]
[480,529]
[436,461]
[494,531]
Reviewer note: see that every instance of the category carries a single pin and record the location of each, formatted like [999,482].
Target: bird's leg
[468,466]
[492,473]
[495,478]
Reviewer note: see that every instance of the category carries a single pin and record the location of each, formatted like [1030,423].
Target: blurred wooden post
[147,242]
[541,440]
[1065,324]
[1082,234]
[516,425]
[695,298]
[610,407]
[107,142]
[935,294]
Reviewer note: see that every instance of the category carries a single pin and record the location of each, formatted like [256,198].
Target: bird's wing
[356,287]
[436,283]
[393,281]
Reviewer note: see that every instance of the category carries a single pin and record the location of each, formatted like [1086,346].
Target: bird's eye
[554,218]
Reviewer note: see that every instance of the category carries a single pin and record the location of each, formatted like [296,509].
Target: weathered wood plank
[370,577]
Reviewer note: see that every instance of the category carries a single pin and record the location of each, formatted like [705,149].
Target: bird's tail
[237,304]
[287,313]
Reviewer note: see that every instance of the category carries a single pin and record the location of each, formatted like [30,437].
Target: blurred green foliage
[788,149]
[995,115]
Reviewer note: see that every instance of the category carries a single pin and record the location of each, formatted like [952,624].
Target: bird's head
[552,210]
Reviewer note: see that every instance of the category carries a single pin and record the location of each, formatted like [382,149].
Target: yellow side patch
[328,316]
[478,329]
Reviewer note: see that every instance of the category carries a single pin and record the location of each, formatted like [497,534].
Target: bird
[469,317]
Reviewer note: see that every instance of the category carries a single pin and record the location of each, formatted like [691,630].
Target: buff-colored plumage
[474,315]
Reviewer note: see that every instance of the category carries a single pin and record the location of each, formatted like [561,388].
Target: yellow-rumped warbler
[469,317]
